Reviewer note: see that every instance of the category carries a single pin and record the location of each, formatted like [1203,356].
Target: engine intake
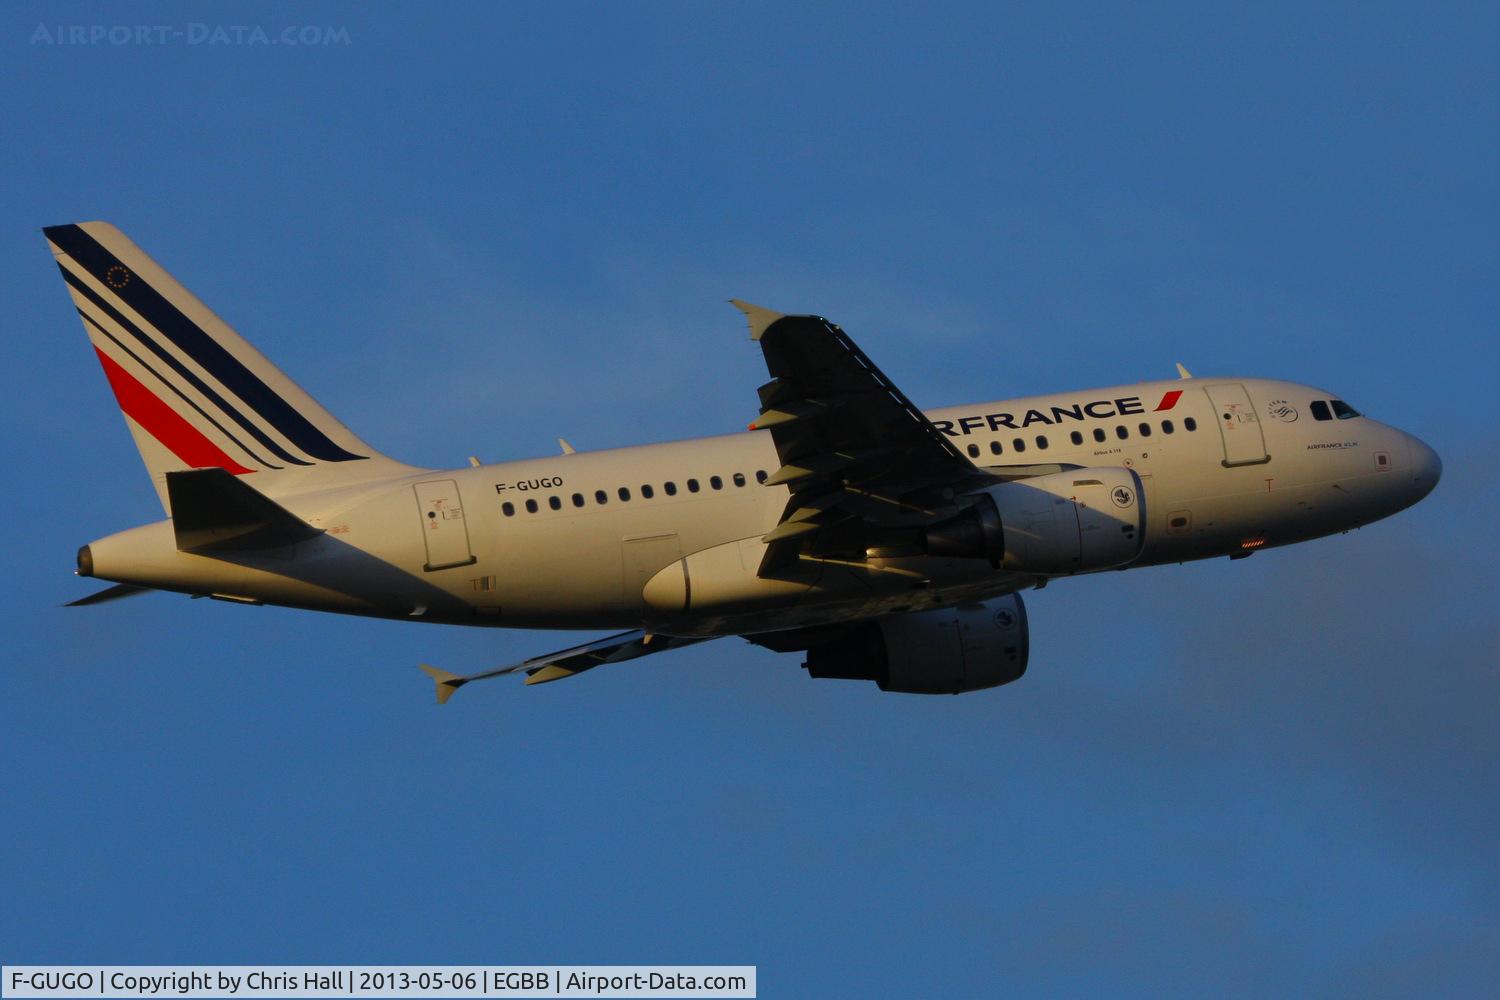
[944,651]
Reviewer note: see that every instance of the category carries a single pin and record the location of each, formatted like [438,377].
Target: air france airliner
[882,542]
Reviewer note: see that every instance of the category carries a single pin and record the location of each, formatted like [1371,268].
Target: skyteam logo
[1097,409]
[1122,496]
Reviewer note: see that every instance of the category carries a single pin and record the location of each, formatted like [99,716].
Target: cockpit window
[1343,410]
[1320,410]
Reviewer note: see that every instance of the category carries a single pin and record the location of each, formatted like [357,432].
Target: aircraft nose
[1426,466]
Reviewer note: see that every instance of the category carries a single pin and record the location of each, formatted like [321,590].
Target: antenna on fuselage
[1183,372]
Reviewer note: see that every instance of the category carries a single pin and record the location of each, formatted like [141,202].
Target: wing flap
[568,662]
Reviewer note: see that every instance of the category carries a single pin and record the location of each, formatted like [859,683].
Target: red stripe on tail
[1169,400]
[164,423]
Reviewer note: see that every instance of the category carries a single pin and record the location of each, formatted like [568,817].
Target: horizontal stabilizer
[214,511]
[114,593]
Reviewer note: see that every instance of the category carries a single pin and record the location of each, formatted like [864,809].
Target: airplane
[883,542]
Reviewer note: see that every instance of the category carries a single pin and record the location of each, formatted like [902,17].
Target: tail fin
[194,393]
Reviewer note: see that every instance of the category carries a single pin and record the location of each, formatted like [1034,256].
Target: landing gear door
[443,526]
[1239,426]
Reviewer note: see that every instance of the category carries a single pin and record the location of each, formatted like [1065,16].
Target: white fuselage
[575,541]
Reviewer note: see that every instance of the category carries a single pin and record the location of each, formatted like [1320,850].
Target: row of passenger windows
[1100,435]
[1018,445]
[1341,410]
[601,497]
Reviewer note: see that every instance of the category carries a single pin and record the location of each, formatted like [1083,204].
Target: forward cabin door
[1239,426]
[443,526]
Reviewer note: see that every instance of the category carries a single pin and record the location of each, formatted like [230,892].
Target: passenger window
[1121,432]
[1019,445]
[1320,410]
[577,499]
[739,479]
[995,448]
[1189,424]
[1166,427]
[624,494]
[1076,437]
[973,451]
[601,498]
[760,475]
[531,506]
[1145,430]
[647,492]
[671,488]
[1099,434]
[1343,410]
[508,509]
[692,486]
[555,503]
[1041,441]
[716,482]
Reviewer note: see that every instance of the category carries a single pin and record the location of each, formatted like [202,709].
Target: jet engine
[945,651]
[1065,522]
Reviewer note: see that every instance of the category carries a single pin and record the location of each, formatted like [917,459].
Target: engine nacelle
[1065,522]
[946,651]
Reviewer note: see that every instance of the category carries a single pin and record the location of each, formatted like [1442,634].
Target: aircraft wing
[567,662]
[860,459]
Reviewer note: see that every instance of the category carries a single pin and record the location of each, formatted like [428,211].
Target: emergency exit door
[1239,426]
[443,525]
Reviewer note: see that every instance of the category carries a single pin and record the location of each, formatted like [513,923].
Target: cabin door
[443,526]
[1239,426]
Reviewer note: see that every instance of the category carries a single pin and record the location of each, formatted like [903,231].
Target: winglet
[1183,372]
[760,318]
[446,683]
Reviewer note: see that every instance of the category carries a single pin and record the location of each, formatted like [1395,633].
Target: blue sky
[470,231]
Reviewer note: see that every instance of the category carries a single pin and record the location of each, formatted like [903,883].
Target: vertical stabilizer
[194,393]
